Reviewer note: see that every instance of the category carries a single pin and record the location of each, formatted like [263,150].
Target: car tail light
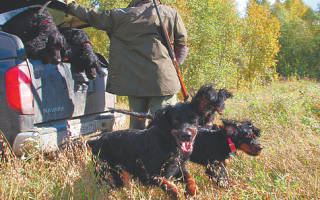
[18,89]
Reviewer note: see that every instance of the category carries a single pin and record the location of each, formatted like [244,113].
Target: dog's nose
[259,148]
[185,136]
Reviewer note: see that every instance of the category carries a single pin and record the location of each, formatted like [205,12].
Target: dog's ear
[225,94]
[91,73]
[256,131]
[162,117]
[202,104]
[230,130]
[229,126]
[204,98]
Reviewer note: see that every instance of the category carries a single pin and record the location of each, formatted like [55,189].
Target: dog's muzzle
[259,149]
[185,136]
[187,139]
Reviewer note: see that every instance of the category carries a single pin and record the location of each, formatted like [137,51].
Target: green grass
[288,114]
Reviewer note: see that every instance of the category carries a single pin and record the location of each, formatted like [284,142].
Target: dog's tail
[44,7]
[102,60]
[93,141]
[135,114]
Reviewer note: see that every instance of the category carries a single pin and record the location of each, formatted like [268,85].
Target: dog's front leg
[217,172]
[169,187]
[120,176]
[191,184]
[125,177]
[191,187]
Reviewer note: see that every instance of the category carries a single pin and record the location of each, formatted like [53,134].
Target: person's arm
[100,19]
[181,54]
[180,40]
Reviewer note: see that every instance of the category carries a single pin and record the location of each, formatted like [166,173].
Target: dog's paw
[191,187]
[218,175]
[91,73]
[172,190]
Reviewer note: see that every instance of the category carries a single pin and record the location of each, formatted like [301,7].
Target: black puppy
[155,154]
[39,34]
[214,146]
[210,101]
[81,55]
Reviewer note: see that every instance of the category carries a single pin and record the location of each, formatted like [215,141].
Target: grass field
[288,113]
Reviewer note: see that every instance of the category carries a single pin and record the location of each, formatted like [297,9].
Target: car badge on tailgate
[53,110]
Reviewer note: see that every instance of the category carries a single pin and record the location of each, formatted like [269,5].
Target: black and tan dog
[155,154]
[39,34]
[210,101]
[214,146]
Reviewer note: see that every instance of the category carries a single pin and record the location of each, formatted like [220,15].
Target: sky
[241,4]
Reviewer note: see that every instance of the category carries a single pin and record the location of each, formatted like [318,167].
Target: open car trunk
[53,86]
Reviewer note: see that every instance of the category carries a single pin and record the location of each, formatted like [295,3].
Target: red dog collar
[232,147]
[47,22]
[86,44]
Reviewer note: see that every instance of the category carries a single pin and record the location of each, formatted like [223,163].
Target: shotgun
[171,53]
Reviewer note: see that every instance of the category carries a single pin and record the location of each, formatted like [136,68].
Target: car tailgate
[55,97]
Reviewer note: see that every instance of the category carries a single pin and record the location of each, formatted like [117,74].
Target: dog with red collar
[213,147]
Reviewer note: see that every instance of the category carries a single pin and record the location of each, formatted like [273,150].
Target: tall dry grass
[288,113]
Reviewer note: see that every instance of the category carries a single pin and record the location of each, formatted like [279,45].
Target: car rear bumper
[49,137]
